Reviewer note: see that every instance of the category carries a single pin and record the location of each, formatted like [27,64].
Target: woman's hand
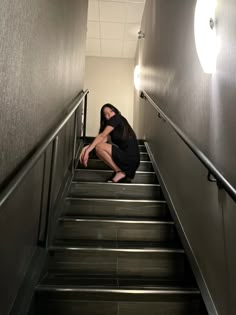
[84,156]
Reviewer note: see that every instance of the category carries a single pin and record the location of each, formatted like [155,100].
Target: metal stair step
[115,190]
[100,165]
[141,144]
[118,289]
[116,250]
[119,246]
[110,228]
[88,140]
[116,258]
[142,148]
[116,207]
[65,279]
[95,303]
[64,294]
[88,175]
[144,156]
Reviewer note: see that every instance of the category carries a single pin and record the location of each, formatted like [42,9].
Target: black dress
[125,150]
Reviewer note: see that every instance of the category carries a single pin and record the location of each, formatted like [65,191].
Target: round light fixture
[205,34]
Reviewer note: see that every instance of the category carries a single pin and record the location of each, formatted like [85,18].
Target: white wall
[109,80]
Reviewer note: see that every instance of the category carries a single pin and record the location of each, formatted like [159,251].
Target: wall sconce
[205,34]
[141,35]
[137,77]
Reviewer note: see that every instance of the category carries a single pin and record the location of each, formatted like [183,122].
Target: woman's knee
[99,147]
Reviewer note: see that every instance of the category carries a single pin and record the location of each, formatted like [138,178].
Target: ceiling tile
[129,48]
[131,31]
[93,47]
[140,1]
[112,11]
[93,10]
[134,12]
[93,30]
[112,30]
[111,48]
[113,26]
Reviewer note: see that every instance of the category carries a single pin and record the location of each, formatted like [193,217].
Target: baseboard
[184,239]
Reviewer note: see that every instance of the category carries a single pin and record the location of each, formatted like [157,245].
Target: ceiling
[113,27]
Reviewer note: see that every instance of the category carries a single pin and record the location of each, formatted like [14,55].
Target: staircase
[116,250]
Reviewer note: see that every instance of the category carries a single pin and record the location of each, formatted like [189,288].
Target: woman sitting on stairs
[123,154]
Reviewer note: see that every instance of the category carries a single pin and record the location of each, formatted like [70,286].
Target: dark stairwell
[115,250]
[42,68]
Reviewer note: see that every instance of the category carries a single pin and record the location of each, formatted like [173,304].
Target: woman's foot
[110,178]
[118,177]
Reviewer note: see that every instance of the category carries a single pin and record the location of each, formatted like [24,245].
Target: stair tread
[123,249]
[77,182]
[109,171]
[64,280]
[97,159]
[117,245]
[94,199]
[89,140]
[95,163]
[115,219]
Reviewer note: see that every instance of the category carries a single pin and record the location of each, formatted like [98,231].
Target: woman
[123,154]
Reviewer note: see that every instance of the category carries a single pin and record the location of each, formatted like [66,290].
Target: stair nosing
[110,220]
[115,200]
[119,184]
[72,288]
[110,171]
[122,250]
[97,159]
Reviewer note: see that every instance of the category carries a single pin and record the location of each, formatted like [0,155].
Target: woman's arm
[102,137]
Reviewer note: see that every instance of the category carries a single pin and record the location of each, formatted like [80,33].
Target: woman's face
[108,113]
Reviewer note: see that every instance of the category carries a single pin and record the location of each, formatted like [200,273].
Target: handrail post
[74,140]
[50,189]
[85,117]
[40,243]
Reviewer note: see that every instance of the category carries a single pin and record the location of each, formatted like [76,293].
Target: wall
[202,105]
[109,80]
[41,71]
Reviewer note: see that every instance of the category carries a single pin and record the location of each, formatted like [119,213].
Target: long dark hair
[128,131]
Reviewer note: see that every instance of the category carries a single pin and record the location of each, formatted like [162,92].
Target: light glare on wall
[205,34]
[137,77]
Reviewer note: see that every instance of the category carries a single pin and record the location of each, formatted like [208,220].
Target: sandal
[109,180]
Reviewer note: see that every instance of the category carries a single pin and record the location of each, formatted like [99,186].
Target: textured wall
[42,61]
[109,80]
[202,105]
[41,70]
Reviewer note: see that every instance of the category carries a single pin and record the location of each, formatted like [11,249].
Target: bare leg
[103,151]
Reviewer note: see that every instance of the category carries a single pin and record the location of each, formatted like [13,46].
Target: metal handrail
[14,183]
[220,179]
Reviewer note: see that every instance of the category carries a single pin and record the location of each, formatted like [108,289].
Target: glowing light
[205,34]
[137,77]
